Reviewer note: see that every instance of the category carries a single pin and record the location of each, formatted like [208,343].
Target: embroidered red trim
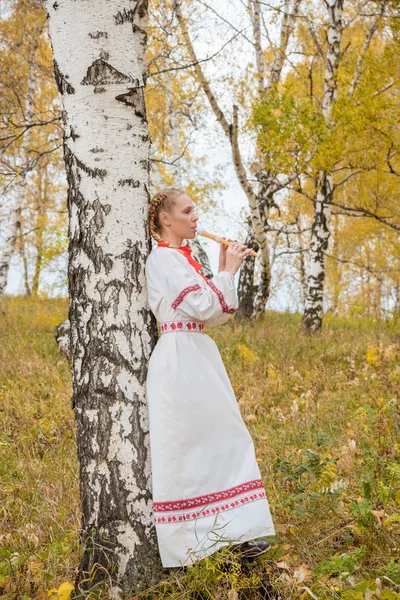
[190,288]
[206,512]
[208,498]
[221,298]
[181,326]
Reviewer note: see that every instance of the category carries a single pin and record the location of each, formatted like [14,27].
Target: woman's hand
[222,256]
[231,257]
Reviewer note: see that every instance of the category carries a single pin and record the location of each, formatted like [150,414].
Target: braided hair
[164,200]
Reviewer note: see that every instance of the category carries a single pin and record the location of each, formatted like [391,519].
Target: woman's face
[183,221]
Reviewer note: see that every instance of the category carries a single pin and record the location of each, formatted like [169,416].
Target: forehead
[184,200]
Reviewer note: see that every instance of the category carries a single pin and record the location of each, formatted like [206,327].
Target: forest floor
[324,416]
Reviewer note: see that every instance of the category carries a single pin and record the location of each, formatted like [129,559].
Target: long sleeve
[212,301]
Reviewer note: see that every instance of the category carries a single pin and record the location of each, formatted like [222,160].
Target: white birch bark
[246,287]
[8,246]
[255,15]
[173,125]
[290,12]
[99,67]
[371,30]
[301,260]
[231,131]
[268,182]
[313,311]
[14,227]
[199,253]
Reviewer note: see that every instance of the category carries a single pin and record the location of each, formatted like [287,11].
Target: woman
[207,488]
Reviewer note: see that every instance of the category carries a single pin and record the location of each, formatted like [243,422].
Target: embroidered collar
[187,252]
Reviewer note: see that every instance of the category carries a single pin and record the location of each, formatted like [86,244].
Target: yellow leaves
[373,357]
[377,355]
[274,379]
[63,592]
[327,476]
[246,353]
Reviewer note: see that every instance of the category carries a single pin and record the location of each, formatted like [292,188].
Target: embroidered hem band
[210,504]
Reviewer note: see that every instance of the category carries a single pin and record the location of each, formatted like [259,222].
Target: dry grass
[324,416]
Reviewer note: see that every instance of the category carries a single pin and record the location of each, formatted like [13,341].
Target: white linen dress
[206,484]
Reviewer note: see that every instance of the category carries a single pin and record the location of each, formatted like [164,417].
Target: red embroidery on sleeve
[221,298]
[190,288]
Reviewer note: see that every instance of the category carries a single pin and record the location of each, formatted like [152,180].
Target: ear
[164,218]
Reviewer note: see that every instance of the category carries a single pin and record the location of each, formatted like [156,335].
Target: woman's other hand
[222,256]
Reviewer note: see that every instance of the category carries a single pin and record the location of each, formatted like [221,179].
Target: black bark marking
[129,182]
[63,86]
[95,150]
[55,5]
[98,34]
[100,173]
[99,90]
[128,16]
[130,98]
[74,135]
[124,16]
[108,264]
[101,73]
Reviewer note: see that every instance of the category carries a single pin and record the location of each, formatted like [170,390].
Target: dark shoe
[250,550]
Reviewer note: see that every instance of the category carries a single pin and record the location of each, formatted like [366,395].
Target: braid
[163,200]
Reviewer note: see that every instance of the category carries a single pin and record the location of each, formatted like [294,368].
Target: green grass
[325,419]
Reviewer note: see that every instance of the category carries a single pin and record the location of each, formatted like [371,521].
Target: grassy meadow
[324,415]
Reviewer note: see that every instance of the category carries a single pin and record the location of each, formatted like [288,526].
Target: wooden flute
[220,239]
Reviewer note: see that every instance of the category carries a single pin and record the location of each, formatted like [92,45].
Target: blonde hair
[163,200]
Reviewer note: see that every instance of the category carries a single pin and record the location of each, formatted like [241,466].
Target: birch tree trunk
[41,225]
[173,125]
[301,260]
[22,251]
[99,68]
[396,308]
[39,243]
[231,130]
[199,253]
[9,244]
[313,312]
[268,182]
[246,287]
[14,229]
[261,201]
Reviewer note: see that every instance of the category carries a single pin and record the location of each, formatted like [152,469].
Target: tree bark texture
[313,312]
[314,308]
[14,229]
[231,130]
[99,68]
[246,287]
